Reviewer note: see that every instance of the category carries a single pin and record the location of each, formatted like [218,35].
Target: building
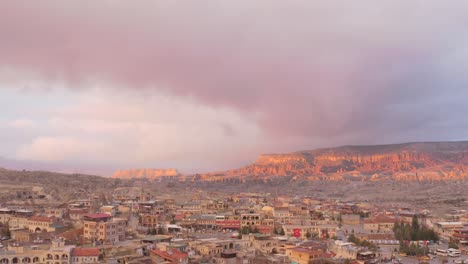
[351,219]
[379,224]
[5,215]
[103,228]
[206,221]
[250,219]
[18,222]
[85,255]
[170,256]
[149,220]
[228,224]
[365,256]
[228,257]
[21,235]
[43,224]
[325,230]
[460,235]
[77,214]
[55,212]
[108,209]
[445,229]
[346,250]
[210,249]
[55,253]
[306,253]
[301,232]
[281,212]
[263,243]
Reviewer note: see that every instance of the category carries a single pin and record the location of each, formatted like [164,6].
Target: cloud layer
[308,73]
[119,129]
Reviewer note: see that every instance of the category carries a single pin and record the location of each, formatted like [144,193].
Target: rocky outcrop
[150,174]
[431,161]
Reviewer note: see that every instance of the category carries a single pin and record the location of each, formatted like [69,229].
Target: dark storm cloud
[310,69]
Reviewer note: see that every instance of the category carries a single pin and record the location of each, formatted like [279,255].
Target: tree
[403,247]
[340,221]
[364,215]
[254,230]
[282,232]
[414,232]
[452,244]
[415,223]
[413,249]
[245,230]
[160,231]
[5,231]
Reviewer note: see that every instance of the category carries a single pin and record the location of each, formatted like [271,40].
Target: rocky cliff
[428,161]
[150,174]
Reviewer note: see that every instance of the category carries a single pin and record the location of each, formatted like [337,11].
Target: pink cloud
[307,68]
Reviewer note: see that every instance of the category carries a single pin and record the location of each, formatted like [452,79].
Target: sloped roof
[86,252]
[172,255]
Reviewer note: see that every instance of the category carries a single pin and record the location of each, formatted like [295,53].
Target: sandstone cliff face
[431,161]
[145,173]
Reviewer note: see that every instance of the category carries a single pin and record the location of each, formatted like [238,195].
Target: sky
[95,86]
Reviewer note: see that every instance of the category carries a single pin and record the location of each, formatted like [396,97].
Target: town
[136,225]
[233,132]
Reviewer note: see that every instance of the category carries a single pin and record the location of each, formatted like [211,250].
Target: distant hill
[58,185]
[421,161]
[150,174]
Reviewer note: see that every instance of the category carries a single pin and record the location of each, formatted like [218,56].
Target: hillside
[150,174]
[56,186]
[424,161]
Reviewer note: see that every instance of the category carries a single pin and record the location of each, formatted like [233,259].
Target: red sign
[297,232]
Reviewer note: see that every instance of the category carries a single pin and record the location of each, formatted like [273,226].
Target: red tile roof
[86,252]
[179,217]
[98,215]
[73,234]
[171,255]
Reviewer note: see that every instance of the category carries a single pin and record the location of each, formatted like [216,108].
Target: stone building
[103,228]
[56,253]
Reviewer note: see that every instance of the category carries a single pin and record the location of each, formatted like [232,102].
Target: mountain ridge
[444,160]
[151,174]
